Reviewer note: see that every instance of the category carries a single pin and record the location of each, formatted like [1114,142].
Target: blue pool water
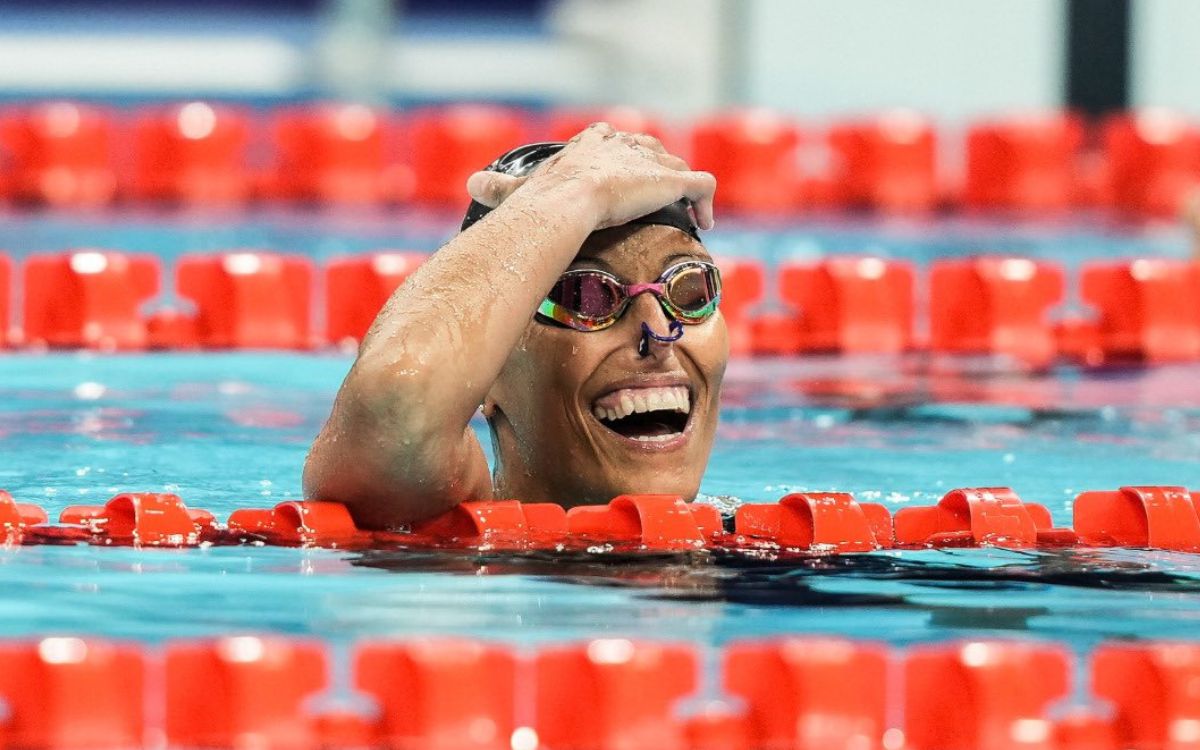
[231,430]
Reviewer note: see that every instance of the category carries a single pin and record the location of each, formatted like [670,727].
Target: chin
[654,483]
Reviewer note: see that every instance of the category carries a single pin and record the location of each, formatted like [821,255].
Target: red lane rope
[1139,163]
[809,523]
[457,694]
[1141,309]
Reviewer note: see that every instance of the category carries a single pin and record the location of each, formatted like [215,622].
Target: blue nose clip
[675,333]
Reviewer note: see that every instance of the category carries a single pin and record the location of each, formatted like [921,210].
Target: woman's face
[552,409]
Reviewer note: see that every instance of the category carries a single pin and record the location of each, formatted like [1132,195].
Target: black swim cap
[524,159]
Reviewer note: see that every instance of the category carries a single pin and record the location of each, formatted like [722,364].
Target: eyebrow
[590,261]
[687,255]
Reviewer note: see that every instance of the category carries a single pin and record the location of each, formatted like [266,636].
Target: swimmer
[577,310]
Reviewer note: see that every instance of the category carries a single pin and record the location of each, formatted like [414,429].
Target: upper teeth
[626,401]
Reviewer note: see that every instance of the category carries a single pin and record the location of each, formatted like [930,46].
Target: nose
[650,324]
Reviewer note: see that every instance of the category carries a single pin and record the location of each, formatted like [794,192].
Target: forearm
[397,445]
[448,330]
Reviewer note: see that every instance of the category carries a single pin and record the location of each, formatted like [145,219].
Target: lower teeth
[653,438]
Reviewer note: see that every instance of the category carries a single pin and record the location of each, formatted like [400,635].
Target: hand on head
[632,175]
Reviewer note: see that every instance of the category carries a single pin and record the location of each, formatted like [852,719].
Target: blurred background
[816,58]
[896,107]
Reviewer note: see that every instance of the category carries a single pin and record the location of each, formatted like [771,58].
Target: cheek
[546,371]
[710,350]
[568,358]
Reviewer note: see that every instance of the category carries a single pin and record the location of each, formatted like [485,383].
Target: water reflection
[795,580]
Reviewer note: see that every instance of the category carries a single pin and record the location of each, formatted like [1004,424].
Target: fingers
[671,161]
[607,131]
[600,129]
[492,188]
[699,188]
[650,142]
[643,157]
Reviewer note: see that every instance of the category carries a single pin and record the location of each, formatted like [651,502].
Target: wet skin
[398,445]
[550,444]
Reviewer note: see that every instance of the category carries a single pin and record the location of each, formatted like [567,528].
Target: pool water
[231,430]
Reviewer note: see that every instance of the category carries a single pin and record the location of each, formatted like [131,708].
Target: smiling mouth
[648,415]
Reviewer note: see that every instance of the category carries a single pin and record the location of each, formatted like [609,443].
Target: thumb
[492,188]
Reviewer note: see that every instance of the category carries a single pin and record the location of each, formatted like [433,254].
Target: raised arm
[397,446]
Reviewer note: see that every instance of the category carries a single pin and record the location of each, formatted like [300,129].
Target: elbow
[384,465]
[377,500]
[390,398]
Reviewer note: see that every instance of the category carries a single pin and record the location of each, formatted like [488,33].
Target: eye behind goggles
[591,299]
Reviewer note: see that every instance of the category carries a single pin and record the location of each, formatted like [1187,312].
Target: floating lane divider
[789,693]
[1142,310]
[1139,163]
[809,523]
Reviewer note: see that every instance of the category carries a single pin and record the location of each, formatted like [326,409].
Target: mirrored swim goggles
[592,300]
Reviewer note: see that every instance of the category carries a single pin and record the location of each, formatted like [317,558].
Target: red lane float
[983,695]
[754,156]
[357,288]
[850,304]
[441,694]
[71,693]
[817,521]
[143,519]
[168,328]
[742,286]
[1153,689]
[60,154]
[888,163]
[652,522]
[1148,309]
[450,694]
[339,154]
[298,522]
[630,689]
[242,691]
[505,524]
[995,305]
[191,153]
[448,144]
[717,727]
[1152,160]
[775,334]
[1023,163]
[15,518]
[5,282]
[249,299]
[88,298]
[810,692]
[810,523]
[1085,729]
[1156,517]
[978,517]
